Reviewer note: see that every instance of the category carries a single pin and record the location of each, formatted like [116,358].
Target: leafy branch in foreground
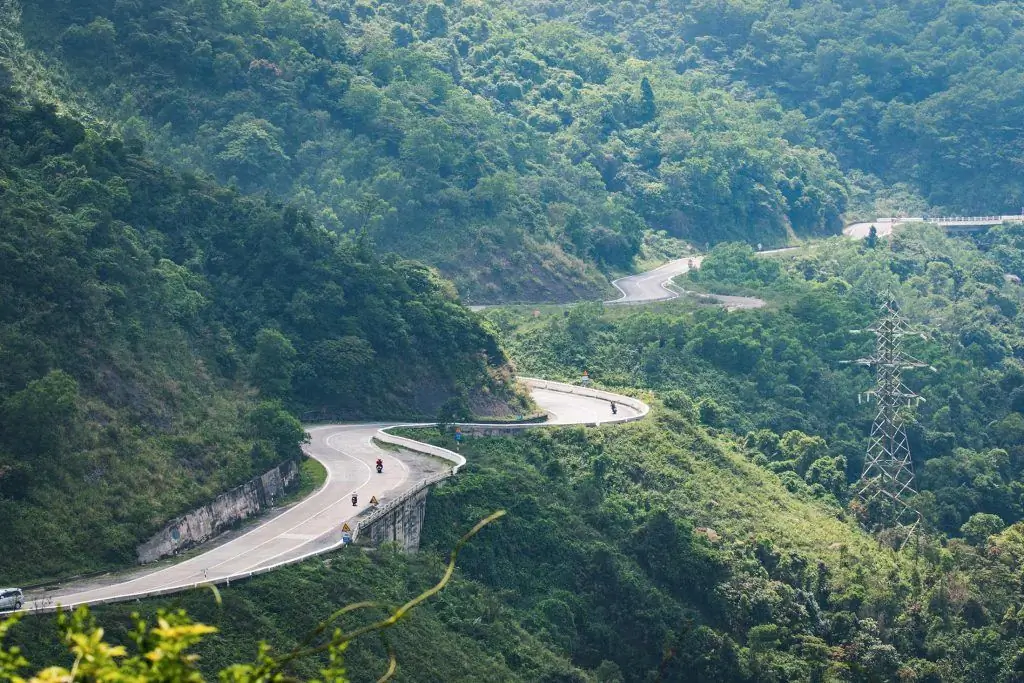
[163,651]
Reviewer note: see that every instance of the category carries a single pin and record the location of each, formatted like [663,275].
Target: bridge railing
[952,220]
[965,219]
[382,511]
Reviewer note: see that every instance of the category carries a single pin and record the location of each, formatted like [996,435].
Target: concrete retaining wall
[401,523]
[228,508]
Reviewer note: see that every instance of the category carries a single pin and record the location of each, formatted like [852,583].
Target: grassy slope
[704,478]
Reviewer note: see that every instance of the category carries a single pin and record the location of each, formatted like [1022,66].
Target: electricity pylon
[887,481]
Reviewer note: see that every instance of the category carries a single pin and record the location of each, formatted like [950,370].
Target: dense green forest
[159,336]
[516,155]
[524,146]
[926,94]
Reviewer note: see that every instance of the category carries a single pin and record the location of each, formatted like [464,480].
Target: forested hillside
[928,92]
[524,147]
[160,334]
[516,155]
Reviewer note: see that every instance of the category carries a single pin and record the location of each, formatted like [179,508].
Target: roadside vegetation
[161,336]
[312,476]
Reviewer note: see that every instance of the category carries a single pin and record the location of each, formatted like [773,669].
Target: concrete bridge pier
[402,524]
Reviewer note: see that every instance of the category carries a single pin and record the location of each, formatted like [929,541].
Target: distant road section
[657,285]
[884,226]
[654,285]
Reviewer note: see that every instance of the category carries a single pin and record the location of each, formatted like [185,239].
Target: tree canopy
[521,156]
[159,334]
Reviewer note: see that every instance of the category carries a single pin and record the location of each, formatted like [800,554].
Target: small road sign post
[373,500]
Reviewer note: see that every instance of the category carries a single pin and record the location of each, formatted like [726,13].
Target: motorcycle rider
[380,465]
[615,411]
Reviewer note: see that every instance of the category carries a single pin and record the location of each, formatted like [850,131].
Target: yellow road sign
[373,500]
[345,527]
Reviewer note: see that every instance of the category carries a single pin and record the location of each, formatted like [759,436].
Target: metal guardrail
[967,220]
[952,220]
[50,605]
[460,460]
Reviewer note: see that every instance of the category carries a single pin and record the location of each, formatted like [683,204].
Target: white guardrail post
[457,460]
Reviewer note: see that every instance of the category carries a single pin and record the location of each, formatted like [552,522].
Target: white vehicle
[11,599]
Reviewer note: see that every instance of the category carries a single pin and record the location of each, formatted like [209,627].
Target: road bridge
[884,226]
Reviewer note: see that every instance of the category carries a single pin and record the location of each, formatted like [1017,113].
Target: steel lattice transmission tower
[887,481]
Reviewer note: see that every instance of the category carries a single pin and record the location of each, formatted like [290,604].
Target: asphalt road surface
[349,455]
[657,285]
[569,409]
[654,285]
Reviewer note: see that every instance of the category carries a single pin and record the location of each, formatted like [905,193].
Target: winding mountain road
[657,285]
[348,452]
[314,525]
[654,285]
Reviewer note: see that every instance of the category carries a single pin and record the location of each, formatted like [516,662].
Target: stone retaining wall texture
[228,508]
[402,524]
